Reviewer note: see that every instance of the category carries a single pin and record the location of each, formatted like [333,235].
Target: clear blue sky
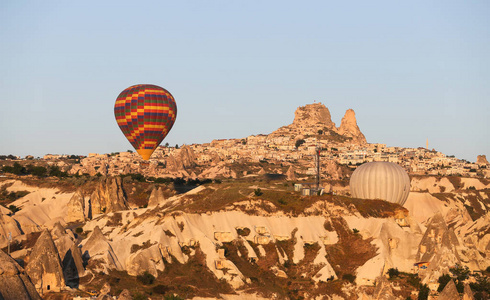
[411,70]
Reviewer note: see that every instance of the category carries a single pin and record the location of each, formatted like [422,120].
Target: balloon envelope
[380,180]
[145,113]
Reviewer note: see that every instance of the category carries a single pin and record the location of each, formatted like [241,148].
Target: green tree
[299,143]
[37,170]
[146,278]
[56,172]
[393,272]
[423,292]
[16,169]
[443,280]
[461,273]
[13,208]
[481,287]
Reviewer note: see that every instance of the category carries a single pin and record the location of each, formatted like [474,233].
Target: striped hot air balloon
[380,180]
[145,113]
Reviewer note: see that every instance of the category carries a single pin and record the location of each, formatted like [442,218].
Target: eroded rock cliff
[348,127]
[109,196]
[14,282]
[44,267]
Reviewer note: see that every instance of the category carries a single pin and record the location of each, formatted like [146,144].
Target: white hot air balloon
[380,180]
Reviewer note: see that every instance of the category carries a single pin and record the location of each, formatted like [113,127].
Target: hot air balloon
[145,113]
[380,180]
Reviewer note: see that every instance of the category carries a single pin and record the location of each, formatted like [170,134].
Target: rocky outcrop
[290,174]
[63,239]
[14,282]
[261,171]
[125,295]
[156,197]
[146,245]
[73,267]
[76,208]
[220,170]
[97,248]
[181,159]
[8,225]
[332,170]
[437,236]
[105,292]
[449,292]
[103,169]
[468,293]
[44,267]
[4,210]
[482,160]
[441,248]
[109,196]
[348,127]
[315,114]
[315,120]
[308,119]
[147,260]
[383,290]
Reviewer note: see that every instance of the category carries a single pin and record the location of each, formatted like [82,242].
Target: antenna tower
[317,165]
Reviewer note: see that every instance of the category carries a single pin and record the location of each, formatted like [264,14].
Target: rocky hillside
[243,237]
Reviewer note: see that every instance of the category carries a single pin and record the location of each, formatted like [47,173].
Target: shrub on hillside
[349,277]
[146,278]
[393,272]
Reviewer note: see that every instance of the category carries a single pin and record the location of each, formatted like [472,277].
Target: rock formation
[97,247]
[482,160]
[439,246]
[468,293]
[290,174]
[315,120]
[125,295]
[147,260]
[383,290]
[348,127]
[4,210]
[449,292]
[315,114]
[437,235]
[332,170]
[104,292]
[63,239]
[44,267]
[220,170]
[14,282]
[308,119]
[7,225]
[181,159]
[109,196]
[103,169]
[261,171]
[73,268]
[156,197]
[76,208]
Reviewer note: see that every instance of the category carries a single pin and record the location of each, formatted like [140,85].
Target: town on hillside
[292,146]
